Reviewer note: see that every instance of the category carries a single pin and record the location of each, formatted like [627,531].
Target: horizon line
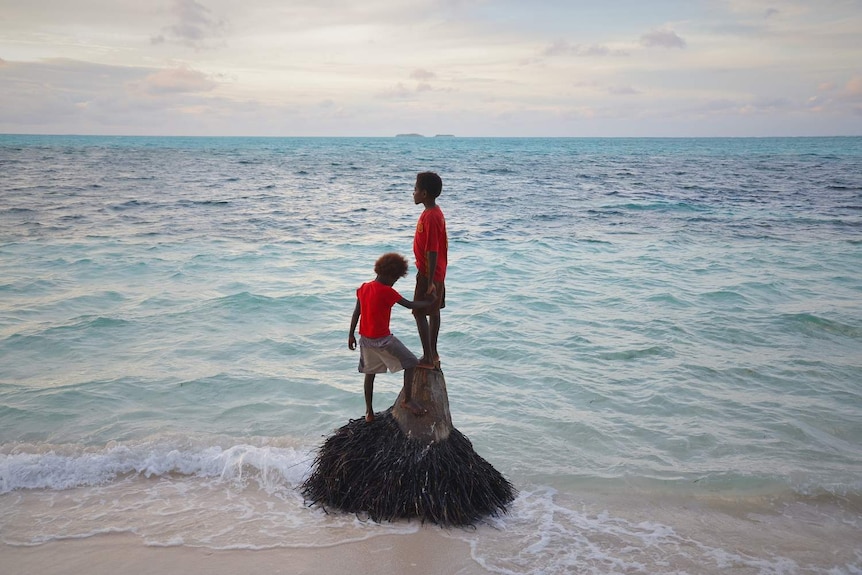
[413,136]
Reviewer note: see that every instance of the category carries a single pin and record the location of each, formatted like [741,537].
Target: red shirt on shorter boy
[375,304]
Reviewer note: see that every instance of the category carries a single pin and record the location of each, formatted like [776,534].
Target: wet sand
[426,552]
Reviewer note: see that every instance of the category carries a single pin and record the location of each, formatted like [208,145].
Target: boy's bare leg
[369,392]
[427,358]
[407,402]
[434,331]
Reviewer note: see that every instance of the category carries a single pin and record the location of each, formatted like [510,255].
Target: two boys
[379,349]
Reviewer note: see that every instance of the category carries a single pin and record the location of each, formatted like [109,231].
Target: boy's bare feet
[414,408]
[369,417]
[425,364]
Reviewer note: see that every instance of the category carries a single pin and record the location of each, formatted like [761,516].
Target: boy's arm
[351,339]
[431,258]
[415,304]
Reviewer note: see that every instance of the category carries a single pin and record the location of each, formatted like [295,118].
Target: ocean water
[658,341]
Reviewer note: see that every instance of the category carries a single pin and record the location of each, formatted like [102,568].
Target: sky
[476,68]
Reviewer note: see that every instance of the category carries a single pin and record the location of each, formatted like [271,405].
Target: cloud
[852,91]
[422,74]
[770,104]
[833,98]
[564,48]
[58,91]
[740,107]
[401,91]
[195,26]
[623,91]
[662,39]
[396,92]
[300,63]
[176,81]
[62,96]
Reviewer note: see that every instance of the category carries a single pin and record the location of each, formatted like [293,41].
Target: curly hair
[391,265]
[430,182]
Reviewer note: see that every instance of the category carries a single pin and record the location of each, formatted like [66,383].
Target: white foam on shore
[63,467]
[549,533]
[172,493]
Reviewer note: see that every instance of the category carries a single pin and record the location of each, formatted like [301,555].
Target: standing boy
[380,350]
[430,246]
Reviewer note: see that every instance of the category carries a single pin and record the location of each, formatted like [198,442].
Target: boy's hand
[351,342]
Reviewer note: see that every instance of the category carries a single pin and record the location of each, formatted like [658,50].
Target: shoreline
[427,551]
[161,531]
[548,532]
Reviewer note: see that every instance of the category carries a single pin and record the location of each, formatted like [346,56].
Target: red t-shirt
[431,237]
[375,307]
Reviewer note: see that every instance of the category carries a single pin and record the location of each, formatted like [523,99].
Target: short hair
[430,182]
[392,265]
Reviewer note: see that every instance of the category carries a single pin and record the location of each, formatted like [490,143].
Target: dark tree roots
[376,469]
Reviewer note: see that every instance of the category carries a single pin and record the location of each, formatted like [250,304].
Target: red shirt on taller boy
[431,237]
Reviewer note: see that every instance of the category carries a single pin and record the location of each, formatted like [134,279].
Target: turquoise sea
[657,341]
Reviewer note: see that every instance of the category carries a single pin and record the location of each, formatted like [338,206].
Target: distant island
[421,136]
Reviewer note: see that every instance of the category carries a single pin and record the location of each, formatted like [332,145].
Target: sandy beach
[427,552]
[707,535]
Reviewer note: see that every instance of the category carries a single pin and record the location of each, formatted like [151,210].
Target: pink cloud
[853,89]
[563,48]
[177,80]
[422,74]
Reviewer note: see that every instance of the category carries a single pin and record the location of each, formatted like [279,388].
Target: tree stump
[429,391]
[402,466]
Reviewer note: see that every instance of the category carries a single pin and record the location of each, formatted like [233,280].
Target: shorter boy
[379,349]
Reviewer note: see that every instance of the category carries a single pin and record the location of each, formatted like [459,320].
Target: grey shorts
[385,353]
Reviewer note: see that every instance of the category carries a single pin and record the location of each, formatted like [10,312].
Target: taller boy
[430,246]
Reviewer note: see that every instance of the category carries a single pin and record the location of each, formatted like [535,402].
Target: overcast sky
[463,67]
